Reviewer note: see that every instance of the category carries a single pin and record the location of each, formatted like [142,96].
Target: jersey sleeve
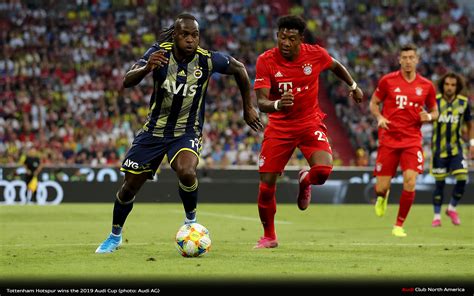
[262,76]
[431,98]
[326,59]
[381,90]
[220,62]
[142,61]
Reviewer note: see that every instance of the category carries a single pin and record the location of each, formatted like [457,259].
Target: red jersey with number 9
[402,103]
[301,76]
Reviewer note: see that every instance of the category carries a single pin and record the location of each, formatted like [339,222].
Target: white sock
[437,217]
[451,208]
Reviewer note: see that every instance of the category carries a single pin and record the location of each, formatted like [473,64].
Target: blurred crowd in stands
[62,64]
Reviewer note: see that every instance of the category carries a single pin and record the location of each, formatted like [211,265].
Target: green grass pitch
[325,242]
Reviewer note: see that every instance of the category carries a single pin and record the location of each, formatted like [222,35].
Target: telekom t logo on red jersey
[401,101]
[285,86]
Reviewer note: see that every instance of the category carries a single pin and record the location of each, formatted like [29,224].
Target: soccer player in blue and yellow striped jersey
[448,155]
[181,72]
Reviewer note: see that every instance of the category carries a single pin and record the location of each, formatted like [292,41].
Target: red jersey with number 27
[402,103]
[301,76]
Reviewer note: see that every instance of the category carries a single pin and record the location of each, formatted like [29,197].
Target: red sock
[317,175]
[267,208]
[406,200]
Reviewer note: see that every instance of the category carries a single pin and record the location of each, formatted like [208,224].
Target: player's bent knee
[127,192]
[459,187]
[125,196]
[409,184]
[187,176]
[318,174]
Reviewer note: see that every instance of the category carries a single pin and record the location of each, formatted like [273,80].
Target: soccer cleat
[304,194]
[266,242]
[436,223]
[398,231]
[454,217]
[110,244]
[381,205]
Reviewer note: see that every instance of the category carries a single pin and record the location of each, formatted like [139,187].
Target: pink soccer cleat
[266,242]
[304,194]
[436,223]
[454,217]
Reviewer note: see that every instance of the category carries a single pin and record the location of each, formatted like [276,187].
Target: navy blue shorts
[442,167]
[147,151]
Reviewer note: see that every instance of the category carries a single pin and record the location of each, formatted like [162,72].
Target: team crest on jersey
[197,72]
[378,167]
[307,69]
[418,91]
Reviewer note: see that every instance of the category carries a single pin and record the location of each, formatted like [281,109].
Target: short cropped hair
[186,16]
[292,22]
[459,82]
[409,46]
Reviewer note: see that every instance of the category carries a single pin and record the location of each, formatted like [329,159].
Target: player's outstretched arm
[137,73]
[241,76]
[340,71]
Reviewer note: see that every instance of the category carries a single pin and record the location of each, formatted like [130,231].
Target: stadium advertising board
[86,184]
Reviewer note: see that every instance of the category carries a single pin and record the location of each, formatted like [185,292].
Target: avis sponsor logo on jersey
[450,118]
[176,88]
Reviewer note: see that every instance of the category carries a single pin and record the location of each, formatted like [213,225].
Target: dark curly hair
[166,34]
[459,82]
[292,22]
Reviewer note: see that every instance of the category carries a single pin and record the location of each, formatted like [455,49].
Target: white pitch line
[234,217]
[239,217]
[251,243]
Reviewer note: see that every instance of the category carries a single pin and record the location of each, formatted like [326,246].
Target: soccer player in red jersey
[404,95]
[286,86]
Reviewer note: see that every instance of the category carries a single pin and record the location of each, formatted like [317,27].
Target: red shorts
[388,158]
[277,151]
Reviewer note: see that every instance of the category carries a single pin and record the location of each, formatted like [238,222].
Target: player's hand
[156,60]
[425,116]
[357,95]
[383,122]
[287,100]
[252,119]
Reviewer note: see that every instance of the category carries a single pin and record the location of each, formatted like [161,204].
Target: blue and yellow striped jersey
[447,134]
[178,100]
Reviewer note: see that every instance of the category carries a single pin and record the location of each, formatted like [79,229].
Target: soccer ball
[193,240]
